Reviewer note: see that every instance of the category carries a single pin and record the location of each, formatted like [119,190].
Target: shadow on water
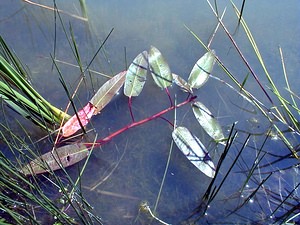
[127,171]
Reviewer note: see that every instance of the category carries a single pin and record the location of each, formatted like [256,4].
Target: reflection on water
[129,169]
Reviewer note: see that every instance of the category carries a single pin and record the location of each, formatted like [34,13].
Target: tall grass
[275,205]
[25,199]
[46,199]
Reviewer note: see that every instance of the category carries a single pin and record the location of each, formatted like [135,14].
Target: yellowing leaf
[194,150]
[208,121]
[159,68]
[201,70]
[107,91]
[61,157]
[136,75]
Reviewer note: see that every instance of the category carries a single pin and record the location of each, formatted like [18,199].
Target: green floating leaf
[107,91]
[180,82]
[136,75]
[208,121]
[159,68]
[60,158]
[194,150]
[201,70]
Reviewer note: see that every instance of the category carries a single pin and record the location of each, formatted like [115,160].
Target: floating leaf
[61,157]
[136,75]
[159,68]
[194,150]
[107,91]
[73,124]
[181,83]
[96,104]
[207,121]
[201,70]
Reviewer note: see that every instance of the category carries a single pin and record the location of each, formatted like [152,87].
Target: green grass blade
[282,100]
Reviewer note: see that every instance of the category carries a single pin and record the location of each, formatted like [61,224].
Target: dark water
[130,168]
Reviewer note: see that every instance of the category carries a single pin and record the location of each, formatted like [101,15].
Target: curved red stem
[140,122]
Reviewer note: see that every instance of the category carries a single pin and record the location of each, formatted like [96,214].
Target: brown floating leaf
[107,91]
[61,157]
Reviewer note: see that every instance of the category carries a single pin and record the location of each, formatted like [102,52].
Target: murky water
[128,170]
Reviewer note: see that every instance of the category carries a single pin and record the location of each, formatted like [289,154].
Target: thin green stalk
[274,89]
[22,105]
[261,61]
[240,53]
[9,73]
[19,93]
[14,215]
[164,177]
[168,162]
[287,81]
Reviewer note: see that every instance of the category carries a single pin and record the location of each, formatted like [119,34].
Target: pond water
[129,170]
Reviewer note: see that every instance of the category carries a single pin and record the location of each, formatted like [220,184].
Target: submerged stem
[140,122]
[130,108]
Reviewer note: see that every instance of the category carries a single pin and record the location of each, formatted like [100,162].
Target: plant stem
[135,124]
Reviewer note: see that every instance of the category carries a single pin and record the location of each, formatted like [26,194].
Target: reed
[264,171]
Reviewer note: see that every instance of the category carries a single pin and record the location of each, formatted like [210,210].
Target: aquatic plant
[71,207]
[67,155]
[19,94]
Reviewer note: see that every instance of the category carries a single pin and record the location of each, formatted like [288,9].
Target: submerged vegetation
[37,188]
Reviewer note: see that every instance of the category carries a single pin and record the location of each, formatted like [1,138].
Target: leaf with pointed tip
[107,91]
[208,121]
[180,82]
[194,150]
[61,157]
[159,68]
[136,75]
[95,105]
[201,70]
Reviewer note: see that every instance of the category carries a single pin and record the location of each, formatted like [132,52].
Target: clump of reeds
[23,199]
[264,172]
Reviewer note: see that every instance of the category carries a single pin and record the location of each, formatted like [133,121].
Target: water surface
[129,169]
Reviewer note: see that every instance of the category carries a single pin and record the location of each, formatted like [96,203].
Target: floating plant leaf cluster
[134,79]
[17,92]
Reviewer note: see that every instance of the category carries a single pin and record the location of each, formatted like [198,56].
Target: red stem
[135,124]
[169,96]
[130,108]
